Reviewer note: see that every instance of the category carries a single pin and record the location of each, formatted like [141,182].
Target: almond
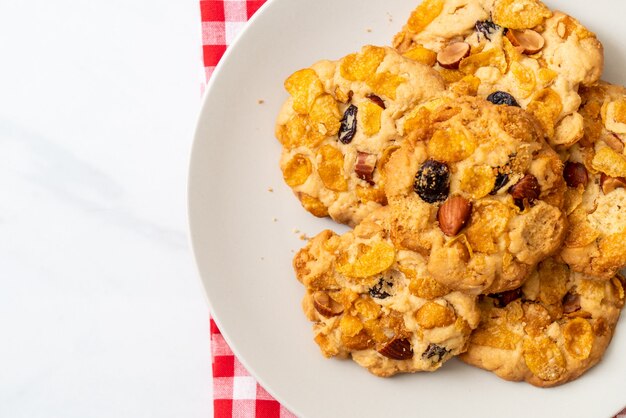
[397,349]
[529,41]
[571,303]
[614,142]
[325,305]
[504,298]
[527,189]
[575,174]
[609,184]
[451,55]
[365,165]
[453,215]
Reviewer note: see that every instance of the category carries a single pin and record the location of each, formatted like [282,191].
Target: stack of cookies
[481,163]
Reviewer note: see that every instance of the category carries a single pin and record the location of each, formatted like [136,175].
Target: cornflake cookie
[517,48]
[595,171]
[549,332]
[340,125]
[378,304]
[475,187]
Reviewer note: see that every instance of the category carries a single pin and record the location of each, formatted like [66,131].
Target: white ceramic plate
[244,255]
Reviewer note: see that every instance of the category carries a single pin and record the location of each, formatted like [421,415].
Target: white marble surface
[101,311]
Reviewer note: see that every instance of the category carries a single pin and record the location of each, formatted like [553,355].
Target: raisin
[487,28]
[381,290]
[348,125]
[377,100]
[502,98]
[501,180]
[432,182]
[434,350]
[504,298]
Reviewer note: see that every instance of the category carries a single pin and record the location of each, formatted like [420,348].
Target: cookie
[476,189]
[340,123]
[518,47]
[595,171]
[377,303]
[549,332]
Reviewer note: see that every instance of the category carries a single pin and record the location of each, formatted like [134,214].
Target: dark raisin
[377,100]
[436,352]
[501,180]
[432,182]
[382,289]
[487,28]
[501,300]
[502,98]
[348,125]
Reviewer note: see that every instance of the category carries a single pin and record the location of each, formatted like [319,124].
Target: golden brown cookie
[595,171]
[377,303]
[341,122]
[476,189]
[517,47]
[550,331]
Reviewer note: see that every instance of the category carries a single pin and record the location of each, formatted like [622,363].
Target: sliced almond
[609,184]
[530,41]
[397,349]
[365,165]
[325,305]
[614,142]
[451,55]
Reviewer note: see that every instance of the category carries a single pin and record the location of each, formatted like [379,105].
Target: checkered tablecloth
[235,393]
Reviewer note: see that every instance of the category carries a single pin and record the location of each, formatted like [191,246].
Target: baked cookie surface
[519,47]
[377,304]
[476,189]
[340,123]
[595,170]
[550,331]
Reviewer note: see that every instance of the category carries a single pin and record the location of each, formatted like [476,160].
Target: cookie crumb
[304,237]
[295,231]
[274,219]
[271,190]
[368,30]
[389,17]
[260,101]
[262,258]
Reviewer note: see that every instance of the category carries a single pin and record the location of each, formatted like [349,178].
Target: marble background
[101,310]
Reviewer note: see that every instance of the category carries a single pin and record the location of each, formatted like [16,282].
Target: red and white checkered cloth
[235,393]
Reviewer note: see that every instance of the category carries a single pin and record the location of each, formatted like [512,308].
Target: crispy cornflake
[451,145]
[417,118]
[511,52]
[451,76]
[304,86]
[330,168]
[326,345]
[520,14]
[578,336]
[546,76]
[373,260]
[384,158]
[361,341]
[342,96]
[610,163]
[421,54]
[313,205]
[350,325]
[297,170]
[580,233]
[524,79]
[427,288]
[324,115]
[433,315]
[496,336]
[488,222]
[478,181]
[385,84]
[491,58]
[424,14]
[297,132]
[546,106]
[369,116]
[371,194]
[367,308]
[543,358]
[467,86]
[360,66]
[572,26]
